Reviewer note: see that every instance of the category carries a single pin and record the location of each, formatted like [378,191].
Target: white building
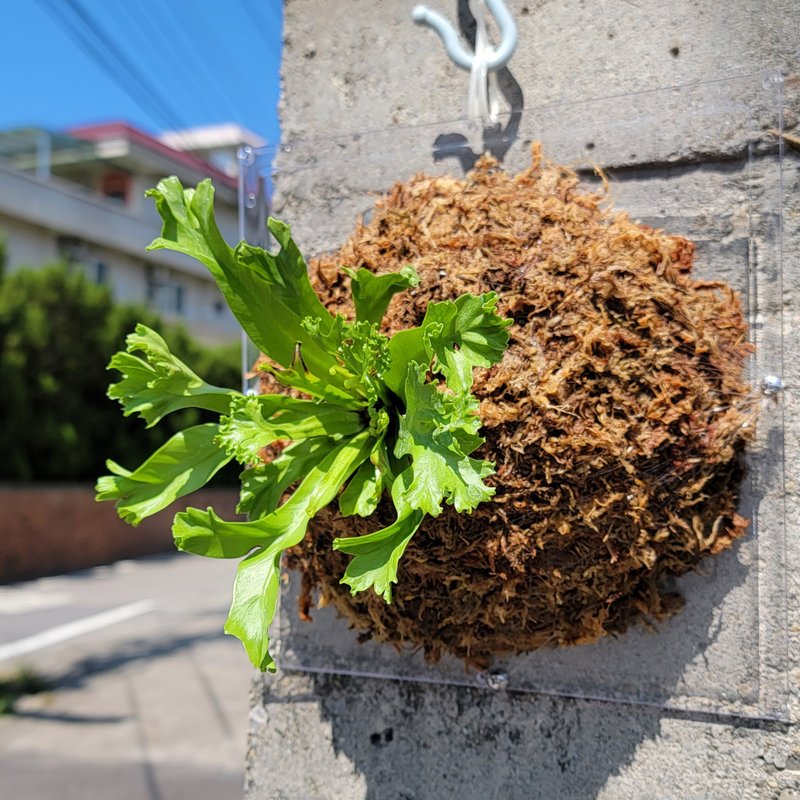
[79,198]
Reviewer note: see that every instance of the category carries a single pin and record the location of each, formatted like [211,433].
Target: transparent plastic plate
[703,161]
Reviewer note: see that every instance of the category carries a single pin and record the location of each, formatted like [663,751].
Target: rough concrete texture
[701,166]
[366,65]
[332,737]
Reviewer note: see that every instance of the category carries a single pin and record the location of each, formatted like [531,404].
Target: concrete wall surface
[594,81]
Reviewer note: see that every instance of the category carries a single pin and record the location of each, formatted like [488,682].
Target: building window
[76,254]
[165,293]
[71,250]
[116,185]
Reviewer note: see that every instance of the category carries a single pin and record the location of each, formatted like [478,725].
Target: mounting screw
[246,155]
[495,680]
[771,385]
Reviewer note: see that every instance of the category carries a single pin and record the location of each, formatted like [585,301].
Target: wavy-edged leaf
[377,555]
[179,467]
[464,334]
[257,421]
[269,294]
[372,293]
[205,534]
[257,580]
[255,598]
[362,352]
[264,485]
[159,383]
[363,349]
[439,431]
[287,273]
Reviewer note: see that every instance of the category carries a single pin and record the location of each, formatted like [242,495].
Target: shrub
[57,331]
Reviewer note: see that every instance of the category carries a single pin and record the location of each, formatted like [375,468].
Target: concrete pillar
[363,66]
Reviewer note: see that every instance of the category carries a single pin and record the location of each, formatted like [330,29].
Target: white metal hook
[500,55]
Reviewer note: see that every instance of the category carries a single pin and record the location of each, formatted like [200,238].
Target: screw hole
[383,738]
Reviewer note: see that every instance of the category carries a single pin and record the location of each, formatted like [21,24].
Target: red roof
[117,130]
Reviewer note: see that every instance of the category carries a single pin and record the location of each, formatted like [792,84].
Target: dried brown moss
[615,418]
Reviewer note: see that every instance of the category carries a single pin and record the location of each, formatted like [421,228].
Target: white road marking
[71,630]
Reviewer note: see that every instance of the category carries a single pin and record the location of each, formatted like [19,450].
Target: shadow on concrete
[497,139]
[138,650]
[72,719]
[417,740]
[430,738]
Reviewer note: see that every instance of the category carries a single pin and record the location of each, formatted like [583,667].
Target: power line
[178,28]
[98,45]
[85,44]
[162,48]
[133,49]
[130,67]
[253,11]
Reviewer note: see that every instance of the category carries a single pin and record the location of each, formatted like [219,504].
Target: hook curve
[423,15]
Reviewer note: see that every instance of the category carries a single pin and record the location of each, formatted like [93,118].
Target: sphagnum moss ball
[616,418]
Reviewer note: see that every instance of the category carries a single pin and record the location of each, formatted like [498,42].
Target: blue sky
[158,64]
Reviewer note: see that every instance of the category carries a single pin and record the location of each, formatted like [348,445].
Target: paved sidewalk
[149,707]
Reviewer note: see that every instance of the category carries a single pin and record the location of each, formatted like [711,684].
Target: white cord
[481,102]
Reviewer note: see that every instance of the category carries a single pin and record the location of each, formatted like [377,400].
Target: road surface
[149,698]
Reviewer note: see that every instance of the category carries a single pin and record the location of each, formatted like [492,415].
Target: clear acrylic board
[703,161]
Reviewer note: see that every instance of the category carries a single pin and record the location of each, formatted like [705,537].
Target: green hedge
[57,333]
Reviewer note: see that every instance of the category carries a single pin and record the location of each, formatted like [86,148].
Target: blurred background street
[146,697]
[116,681]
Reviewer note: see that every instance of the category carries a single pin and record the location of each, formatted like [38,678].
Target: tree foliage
[58,330]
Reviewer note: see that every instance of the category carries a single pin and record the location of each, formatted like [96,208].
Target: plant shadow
[588,712]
